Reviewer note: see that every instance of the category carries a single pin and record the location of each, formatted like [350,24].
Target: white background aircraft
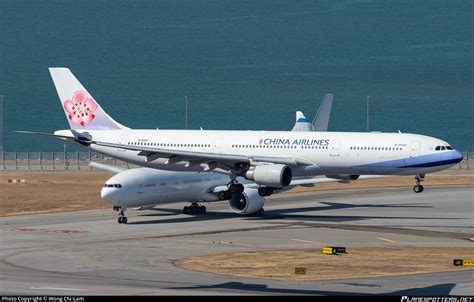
[269,158]
[145,188]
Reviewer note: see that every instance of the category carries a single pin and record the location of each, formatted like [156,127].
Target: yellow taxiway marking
[385,239]
[306,241]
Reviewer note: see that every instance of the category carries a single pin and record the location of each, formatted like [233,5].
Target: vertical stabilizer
[81,110]
[321,120]
[302,124]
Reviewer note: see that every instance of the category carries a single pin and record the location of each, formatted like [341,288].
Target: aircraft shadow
[250,288]
[435,290]
[296,213]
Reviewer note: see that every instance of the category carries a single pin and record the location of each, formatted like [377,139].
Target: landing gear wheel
[224,195]
[121,212]
[186,210]
[261,212]
[265,191]
[418,188]
[194,209]
[236,188]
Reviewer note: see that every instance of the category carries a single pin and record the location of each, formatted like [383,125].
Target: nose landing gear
[418,188]
[122,218]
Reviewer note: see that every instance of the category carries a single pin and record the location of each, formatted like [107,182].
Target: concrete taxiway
[89,253]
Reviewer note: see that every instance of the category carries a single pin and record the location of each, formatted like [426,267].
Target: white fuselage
[140,187]
[358,153]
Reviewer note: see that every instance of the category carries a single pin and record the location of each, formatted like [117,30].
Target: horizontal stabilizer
[45,134]
[107,168]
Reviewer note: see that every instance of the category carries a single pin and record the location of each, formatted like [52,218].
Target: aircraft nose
[457,156]
[107,194]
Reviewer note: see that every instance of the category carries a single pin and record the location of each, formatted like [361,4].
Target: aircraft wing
[305,182]
[224,161]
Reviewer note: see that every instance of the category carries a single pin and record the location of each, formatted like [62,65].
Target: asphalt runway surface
[89,253]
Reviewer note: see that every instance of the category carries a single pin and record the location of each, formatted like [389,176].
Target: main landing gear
[418,188]
[259,213]
[121,212]
[236,188]
[194,209]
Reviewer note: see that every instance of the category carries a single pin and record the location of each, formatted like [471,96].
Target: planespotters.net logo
[436,299]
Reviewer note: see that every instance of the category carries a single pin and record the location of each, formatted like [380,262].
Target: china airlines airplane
[268,158]
[145,188]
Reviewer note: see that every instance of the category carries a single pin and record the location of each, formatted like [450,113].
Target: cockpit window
[118,186]
[438,148]
[443,148]
[449,148]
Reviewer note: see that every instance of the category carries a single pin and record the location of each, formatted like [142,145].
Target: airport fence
[63,161]
[56,161]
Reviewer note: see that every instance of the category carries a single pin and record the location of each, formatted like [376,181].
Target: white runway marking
[306,241]
[385,239]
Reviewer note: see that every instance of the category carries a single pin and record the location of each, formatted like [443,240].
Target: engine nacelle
[275,175]
[246,203]
[344,177]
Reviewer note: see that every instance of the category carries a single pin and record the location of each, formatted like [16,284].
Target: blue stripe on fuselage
[430,160]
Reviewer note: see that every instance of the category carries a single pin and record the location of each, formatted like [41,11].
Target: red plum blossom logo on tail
[80,110]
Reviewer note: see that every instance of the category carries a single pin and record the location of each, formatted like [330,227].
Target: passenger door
[334,148]
[415,149]
[216,145]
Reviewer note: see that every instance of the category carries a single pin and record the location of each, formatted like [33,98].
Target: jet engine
[275,175]
[246,203]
